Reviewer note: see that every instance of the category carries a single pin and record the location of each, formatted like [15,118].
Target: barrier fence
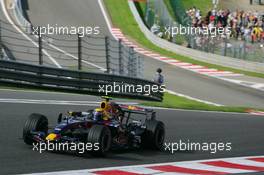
[241,49]
[87,53]
[43,77]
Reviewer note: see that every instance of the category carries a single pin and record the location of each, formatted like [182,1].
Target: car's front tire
[35,122]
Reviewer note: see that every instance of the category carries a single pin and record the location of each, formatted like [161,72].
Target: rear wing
[149,113]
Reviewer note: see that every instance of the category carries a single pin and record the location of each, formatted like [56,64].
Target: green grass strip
[176,102]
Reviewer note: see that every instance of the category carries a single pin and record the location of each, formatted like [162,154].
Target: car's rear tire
[101,136]
[154,135]
[35,122]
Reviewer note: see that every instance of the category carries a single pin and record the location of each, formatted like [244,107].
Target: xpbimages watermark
[130,88]
[212,147]
[66,146]
[65,30]
[205,31]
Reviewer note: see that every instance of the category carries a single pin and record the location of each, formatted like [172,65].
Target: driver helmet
[98,114]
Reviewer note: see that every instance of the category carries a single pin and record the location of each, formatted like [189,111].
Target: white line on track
[106,18]
[41,92]
[55,102]
[27,37]
[96,103]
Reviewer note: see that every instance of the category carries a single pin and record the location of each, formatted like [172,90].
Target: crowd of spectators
[243,25]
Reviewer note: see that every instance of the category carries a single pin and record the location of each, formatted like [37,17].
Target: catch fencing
[87,53]
[230,47]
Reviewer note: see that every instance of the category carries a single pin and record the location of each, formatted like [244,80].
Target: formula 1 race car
[112,126]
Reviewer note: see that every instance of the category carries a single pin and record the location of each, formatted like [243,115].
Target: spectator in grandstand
[257,34]
[244,25]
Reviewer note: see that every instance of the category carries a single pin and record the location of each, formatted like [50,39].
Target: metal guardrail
[42,77]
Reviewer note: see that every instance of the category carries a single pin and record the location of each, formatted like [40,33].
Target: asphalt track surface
[85,13]
[244,131]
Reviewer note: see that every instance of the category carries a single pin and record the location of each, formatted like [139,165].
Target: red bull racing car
[110,127]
